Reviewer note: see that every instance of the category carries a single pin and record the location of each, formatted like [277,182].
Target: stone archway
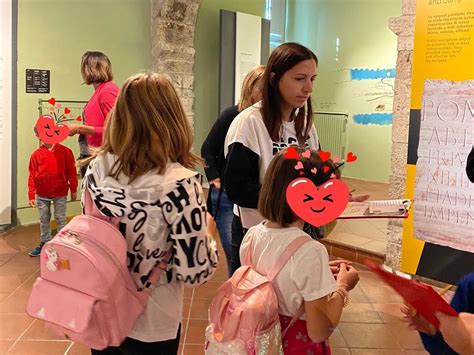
[403,27]
[172,31]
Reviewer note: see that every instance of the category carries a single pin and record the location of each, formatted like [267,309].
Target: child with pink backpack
[287,297]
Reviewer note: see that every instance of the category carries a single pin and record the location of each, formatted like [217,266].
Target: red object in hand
[49,132]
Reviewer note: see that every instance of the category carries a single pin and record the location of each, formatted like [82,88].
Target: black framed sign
[37,81]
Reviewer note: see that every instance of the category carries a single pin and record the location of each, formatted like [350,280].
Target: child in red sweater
[52,172]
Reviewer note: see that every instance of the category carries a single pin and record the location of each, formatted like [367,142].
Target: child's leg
[60,212]
[44,209]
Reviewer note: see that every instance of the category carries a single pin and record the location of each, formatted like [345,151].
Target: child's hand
[335,265]
[73,196]
[32,203]
[347,276]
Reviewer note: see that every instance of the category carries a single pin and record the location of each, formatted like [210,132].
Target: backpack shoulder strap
[287,254]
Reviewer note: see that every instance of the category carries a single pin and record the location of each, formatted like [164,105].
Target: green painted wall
[53,35]
[206,67]
[364,42]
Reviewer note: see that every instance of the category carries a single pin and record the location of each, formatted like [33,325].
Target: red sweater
[52,172]
[97,109]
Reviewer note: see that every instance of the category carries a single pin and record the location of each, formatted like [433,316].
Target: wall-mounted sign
[37,81]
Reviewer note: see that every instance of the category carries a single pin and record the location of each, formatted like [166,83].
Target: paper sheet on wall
[444,196]
[247,52]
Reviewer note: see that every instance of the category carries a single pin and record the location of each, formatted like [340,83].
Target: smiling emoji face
[317,205]
[49,132]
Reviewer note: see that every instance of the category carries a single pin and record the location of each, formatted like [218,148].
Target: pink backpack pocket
[68,313]
[244,315]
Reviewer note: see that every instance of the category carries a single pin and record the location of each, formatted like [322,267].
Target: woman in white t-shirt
[307,282]
[284,117]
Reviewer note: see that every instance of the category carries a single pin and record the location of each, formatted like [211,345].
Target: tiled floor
[370,324]
[364,234]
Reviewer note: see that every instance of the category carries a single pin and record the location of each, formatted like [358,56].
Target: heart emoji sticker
[52,101]
[49,132]
[324,155]
[291,153]
[67,111]
[317,205]
[351,157]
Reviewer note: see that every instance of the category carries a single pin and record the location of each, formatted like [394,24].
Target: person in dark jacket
[212,151]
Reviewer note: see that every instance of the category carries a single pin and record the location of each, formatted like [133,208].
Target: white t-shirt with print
[306,276]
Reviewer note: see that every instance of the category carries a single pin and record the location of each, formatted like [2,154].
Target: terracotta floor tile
[340,351]
[193,349]
[3,295]
[207,290]
[368,278]
[13,325]
[389,312]
[336,340]
[5,256]
[376,336]
[220,274]
[5,345]
[38,331]
[184,330]
[186,307]
[375,246]
[188,292]
[196,329]
[360,313]
[16,302]
[22,238]
[24,347]
[356,295]
[79,349]
[381,294]
[408,339]
[200,308]
[376,352]
[21,264]
[9,283]
[349,238]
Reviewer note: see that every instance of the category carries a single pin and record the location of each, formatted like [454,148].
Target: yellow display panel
[444,47]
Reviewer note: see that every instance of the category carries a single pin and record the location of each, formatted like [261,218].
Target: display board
[6,80]
[438,238]
[244,43]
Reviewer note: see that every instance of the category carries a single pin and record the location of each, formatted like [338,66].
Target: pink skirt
[297,340]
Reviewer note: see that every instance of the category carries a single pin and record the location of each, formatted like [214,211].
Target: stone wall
[403,27]
[172,31]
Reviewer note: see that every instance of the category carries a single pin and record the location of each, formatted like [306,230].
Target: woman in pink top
[96,69]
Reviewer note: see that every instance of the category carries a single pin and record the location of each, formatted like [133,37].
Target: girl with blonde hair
[212,151]
[143,175]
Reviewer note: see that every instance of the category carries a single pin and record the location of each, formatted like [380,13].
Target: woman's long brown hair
[282,59]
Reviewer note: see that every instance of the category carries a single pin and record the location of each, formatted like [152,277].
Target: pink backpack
[85,291]
[243,317]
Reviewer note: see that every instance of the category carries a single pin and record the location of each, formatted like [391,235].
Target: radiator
[76,108]
[331,128]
